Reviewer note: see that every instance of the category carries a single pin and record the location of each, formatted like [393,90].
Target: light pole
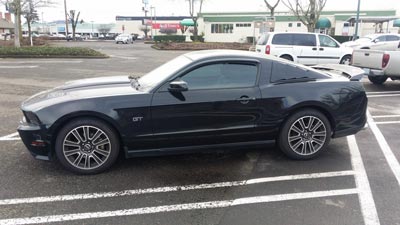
[66,18]
[92,27]
[357,19]
[151,19]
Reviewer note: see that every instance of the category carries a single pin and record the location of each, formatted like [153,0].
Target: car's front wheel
[346,60]
[305,134]
[87,146]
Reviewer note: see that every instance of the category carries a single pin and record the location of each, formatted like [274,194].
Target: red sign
[166,25]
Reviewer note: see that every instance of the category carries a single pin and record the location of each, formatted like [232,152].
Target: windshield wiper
[134,81]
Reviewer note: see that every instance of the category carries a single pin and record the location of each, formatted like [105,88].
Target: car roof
[204,54]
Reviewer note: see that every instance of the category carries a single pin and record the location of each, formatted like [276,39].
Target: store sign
[166,26]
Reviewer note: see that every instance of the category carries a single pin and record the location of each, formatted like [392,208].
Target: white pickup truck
[378,65]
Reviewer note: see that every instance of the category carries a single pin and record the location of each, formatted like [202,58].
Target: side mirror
[178,86]
[375,41]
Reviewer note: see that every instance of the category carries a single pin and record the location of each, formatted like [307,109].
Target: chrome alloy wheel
[307,135]
[86,147]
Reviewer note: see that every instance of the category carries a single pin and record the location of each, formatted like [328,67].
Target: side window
[380,39]
[222,75]
[282,39]
[304,40]
[392,38]
[326,41]
[284,71]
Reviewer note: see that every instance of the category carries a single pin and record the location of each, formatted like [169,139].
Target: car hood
[80,90]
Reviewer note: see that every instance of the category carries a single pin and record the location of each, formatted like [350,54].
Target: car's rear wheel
[377,79]
[287,57]
[87,146]
[305,134]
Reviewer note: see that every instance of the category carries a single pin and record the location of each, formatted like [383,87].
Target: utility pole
[66,18]
[357,19]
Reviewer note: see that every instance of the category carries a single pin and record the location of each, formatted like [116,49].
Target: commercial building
[242,27]
[155,25]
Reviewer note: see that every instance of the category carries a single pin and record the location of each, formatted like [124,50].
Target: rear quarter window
[282,72]
[282,39]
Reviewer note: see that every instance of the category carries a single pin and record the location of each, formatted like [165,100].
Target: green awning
[396,23]
[187,22]
[323,23]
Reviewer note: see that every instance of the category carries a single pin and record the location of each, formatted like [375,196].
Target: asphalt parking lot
[357,181]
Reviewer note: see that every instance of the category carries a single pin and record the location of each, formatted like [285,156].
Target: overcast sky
[105,11]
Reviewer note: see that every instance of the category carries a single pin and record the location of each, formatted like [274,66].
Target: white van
[304,48]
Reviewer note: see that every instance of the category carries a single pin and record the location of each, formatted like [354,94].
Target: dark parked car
[194,102]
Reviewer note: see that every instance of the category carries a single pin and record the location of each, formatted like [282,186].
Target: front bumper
[36,140]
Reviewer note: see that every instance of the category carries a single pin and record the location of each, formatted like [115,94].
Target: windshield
[162,73]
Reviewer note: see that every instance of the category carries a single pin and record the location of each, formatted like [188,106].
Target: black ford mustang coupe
[196,101]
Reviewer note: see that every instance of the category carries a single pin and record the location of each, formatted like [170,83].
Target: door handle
[366,54]
[321,49]
[245,99]
[314,49]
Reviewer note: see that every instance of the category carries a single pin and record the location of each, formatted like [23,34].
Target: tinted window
[282,39]
[294,39]
[392,38]
[263,39]
[326,41]
[285,71]
[381,38]
[304,40]
[222,75]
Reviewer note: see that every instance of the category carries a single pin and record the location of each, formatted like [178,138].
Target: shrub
[169,38]
[199,38]
[47,51]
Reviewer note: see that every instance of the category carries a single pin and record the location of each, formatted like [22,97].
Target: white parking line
[365,197]
[10,137]
[386,116]
[388,122]
[18,67]
[383,92]
[40,61]
[387,152]
[379,96]
[172,188]
[179,207]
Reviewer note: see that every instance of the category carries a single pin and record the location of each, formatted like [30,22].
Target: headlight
[31,118]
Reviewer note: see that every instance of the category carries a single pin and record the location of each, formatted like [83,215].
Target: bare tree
[24,8]
[15,6]
[271,7]
[104,29]
[145,29]
[307,11]
[74,19]
[193,13]
[29,12]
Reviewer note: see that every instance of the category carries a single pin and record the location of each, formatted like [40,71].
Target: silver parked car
[387,42]
[124,38]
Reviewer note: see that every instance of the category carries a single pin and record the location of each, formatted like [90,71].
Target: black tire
[309,139]
[97,151]
[346,60]
[377,79]
[287,57]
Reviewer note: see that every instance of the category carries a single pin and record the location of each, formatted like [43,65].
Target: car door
[329,50]
[219,106]
[305,48]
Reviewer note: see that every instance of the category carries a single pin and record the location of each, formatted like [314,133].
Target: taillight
[385,60]
[268,50]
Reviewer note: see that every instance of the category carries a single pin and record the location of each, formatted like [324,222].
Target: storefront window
[221,28]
